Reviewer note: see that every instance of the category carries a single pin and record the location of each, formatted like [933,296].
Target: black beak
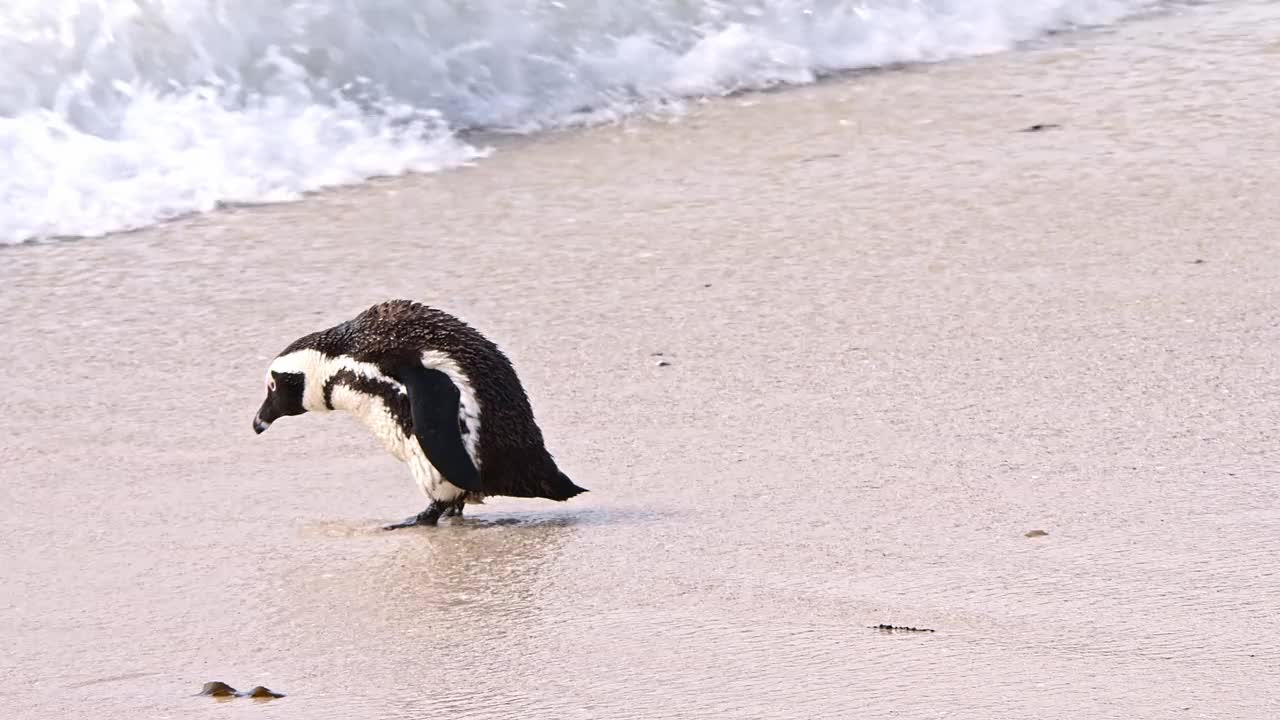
[266,415]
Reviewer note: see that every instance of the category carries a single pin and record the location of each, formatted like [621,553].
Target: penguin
[441,398]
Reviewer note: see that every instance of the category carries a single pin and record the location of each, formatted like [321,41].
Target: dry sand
[901,335]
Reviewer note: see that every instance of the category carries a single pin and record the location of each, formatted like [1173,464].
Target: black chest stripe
[396,402]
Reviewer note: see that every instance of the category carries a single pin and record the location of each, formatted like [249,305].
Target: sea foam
[117,114]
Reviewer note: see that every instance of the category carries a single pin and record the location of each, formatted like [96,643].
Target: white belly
[372,412]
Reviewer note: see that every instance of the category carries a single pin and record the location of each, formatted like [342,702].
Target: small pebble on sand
[262,693]
[222,690]
[217,689]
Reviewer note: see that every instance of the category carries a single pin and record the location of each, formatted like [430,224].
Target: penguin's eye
[271,385]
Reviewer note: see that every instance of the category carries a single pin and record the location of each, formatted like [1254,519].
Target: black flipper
[434,403]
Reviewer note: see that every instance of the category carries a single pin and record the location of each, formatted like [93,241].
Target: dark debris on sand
[221,689]
[900,628]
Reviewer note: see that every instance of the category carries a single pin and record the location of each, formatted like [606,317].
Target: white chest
[373,413]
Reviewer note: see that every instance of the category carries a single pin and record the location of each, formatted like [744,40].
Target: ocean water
[117,114]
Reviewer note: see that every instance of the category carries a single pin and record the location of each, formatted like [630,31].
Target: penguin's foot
[427,517]
[455,510]
[407,522]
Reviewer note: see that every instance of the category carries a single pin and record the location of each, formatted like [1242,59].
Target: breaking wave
[117,114]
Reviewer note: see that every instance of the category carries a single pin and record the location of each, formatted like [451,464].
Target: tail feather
[530,474]
[562,488]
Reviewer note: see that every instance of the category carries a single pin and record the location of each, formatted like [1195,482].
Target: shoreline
[490,141]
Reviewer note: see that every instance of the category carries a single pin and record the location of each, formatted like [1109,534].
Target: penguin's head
[288,381]
[285,391]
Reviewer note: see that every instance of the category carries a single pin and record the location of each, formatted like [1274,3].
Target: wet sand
[901,335]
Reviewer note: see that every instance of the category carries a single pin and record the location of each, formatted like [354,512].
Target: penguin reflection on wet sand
[439,396]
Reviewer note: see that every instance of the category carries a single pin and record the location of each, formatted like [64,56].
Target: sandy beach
[901,336]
